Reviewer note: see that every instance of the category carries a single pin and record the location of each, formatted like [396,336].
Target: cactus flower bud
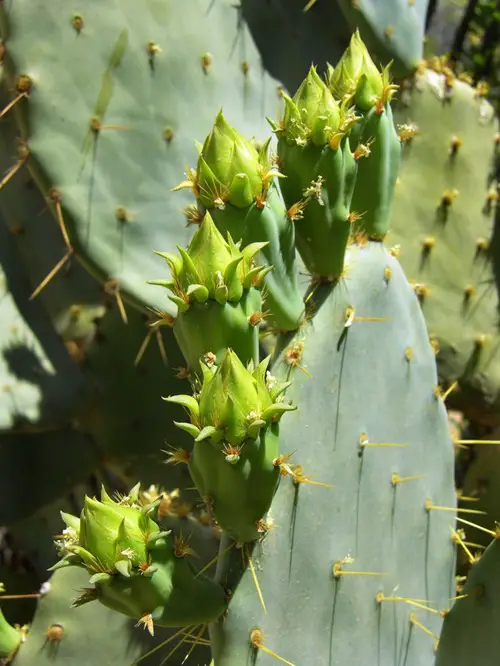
[230,169]
[211,268]
[312,114]
[356,74]
[135,567]
[235,423]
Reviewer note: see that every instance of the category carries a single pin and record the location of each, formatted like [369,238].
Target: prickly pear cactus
[336,516]
[369,442]
[443,227]
[107,153]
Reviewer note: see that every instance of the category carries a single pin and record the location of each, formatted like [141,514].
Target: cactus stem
[429,506]
[13,103]
[246,552]
[53,272]
[417,623]
[257,637]
[338,571]
[215,559]
[396,479]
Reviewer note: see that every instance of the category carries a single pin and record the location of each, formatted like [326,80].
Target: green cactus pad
[114,148]
[470,629]
[369,426]
[443,222]
[393,30]
[127,418]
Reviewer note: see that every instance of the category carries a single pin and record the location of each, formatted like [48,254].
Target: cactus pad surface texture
[443,224]
[109,126]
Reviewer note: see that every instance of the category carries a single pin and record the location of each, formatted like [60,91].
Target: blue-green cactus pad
[363,378]
[105,70]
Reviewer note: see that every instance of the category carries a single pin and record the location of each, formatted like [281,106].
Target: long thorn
[418,624]
[11,172]
[11,104]
[255,580]
[197,641]
[476,441]
[214,560]
[62,226]
[176,647]
[49,277]
[459,539]
[9,597]
[158,647]
[143,347]
[478,527]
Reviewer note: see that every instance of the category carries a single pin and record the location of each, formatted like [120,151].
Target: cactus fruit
[445,232]
[235,423]
[234,181]
[141,70]
[136,568]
